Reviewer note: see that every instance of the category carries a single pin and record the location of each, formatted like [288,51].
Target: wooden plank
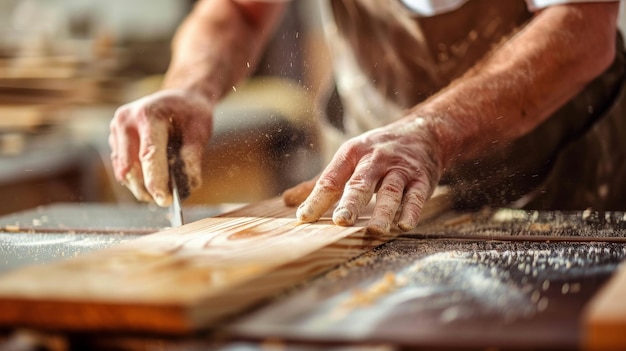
[604,321]
[183,279]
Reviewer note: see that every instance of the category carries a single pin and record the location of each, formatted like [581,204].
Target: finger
[325,193]
[191,155]
[328,188]
[294,196]
[415,195]
[133,180]
[124,156]
[153,156]
[358,192]
[388,200]
[114,154]
[192,150]
[120,141]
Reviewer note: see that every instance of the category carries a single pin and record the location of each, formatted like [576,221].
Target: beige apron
[387,59]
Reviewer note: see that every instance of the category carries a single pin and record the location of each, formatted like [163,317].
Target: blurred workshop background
[66,65]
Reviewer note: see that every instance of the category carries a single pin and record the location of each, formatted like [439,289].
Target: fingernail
[136,190]
[161,199]
[405,226]
[194,182]
[342,216]
[303,213]
[378,228]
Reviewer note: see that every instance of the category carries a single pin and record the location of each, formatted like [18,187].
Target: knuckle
[121,111]
[118,119]
[148,153]
[125,120]
[392,189]
[414,201]
[328,184]
[359,185]
[350,148]
[386,211]
[382,153]
[351,144]
[146,112]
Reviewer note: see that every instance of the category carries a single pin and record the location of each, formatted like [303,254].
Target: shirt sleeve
[534,5]
[429,8]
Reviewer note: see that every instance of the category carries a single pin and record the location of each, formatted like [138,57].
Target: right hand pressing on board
[141,132]
[401,162]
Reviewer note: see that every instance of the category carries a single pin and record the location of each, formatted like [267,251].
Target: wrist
[443,132]
[191,84]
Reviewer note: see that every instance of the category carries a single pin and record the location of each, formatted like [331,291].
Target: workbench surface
[65,230]
[436,288]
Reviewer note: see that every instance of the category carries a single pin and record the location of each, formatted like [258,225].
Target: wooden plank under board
[183,279]
[604,323]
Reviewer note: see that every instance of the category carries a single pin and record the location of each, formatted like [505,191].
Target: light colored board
[604,320]
[186,278]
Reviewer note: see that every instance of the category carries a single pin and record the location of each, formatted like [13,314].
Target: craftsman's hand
[401,162]
[141,132]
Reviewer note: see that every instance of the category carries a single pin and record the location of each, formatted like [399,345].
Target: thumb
[296,195]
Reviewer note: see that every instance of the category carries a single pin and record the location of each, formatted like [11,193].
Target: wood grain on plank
[604,320]
[182,279]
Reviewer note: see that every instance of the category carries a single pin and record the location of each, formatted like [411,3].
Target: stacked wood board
[33,90]
[183,279]
[604,323]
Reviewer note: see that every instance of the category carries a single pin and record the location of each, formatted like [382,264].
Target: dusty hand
[401,162]
[141,132]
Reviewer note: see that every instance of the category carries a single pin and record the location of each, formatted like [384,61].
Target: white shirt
[433,7]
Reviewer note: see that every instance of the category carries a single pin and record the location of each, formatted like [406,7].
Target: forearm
[218,44]
[523,81]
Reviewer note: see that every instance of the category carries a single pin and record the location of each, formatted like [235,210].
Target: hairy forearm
[524,80]
[218,44]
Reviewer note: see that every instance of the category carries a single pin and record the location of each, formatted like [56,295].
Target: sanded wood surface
[182,279]
[605,318]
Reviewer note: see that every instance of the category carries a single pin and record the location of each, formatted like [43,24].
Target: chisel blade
[175,209]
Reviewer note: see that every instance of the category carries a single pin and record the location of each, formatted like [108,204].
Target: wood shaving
[388,283]
[12,228]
